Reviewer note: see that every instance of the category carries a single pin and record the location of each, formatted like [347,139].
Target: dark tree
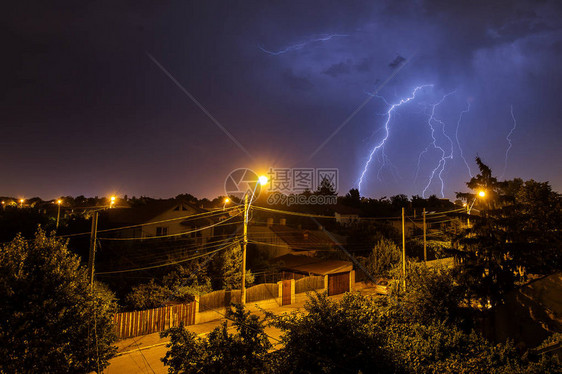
[515,228]
[220,352]
[51,319]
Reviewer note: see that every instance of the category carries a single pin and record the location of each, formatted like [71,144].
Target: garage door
[338,283]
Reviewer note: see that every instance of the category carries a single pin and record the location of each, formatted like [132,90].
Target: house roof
[312,265]
[144,213]
[302,239]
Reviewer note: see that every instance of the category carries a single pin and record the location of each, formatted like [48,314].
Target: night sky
[87,109]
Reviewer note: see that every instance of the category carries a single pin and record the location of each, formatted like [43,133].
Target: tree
[384,256]
[362,334]
[432,295]
[226,269]
[51,319]
[179,285]
[333,337]
[220,352]
[518,229]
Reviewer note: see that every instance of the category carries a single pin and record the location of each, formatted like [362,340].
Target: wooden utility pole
[403,249]
[92,256]
[58,215]
[245,243]
[424,238]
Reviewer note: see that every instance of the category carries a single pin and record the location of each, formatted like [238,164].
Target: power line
[166,264]
[220,223]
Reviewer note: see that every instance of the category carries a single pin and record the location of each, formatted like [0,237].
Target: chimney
[283,221]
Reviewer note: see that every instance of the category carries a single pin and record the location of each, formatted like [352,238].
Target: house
[172,218]
[280,239]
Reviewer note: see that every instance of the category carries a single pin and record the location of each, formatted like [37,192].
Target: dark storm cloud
[297,82]
[335,70]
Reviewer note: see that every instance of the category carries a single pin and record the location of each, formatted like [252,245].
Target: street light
[262,180]
[59,202]
[111,201]
[226,201]
[21,203]
[481,194]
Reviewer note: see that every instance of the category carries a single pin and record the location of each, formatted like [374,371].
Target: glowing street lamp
[21,203]
[111,201]
[262,180]
[226,201]
[480,194]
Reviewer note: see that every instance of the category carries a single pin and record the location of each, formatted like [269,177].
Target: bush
[51,319]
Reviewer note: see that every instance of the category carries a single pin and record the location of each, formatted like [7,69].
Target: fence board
[135,323]
[262,291]
[309,284]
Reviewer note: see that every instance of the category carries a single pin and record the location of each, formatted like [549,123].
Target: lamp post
[261,181]
[21,203]
[59,202]
[481,194]
[226,201]
[93,239]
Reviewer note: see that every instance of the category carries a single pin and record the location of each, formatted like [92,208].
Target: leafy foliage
[180,285]
[360,334]
[226,269]
[384,256]
[519,229]
[333,337]
[51,320]
[220,352]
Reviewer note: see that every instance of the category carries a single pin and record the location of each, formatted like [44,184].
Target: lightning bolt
[444,157]
[457,136]
[508,138]
[380,145]
[297,46]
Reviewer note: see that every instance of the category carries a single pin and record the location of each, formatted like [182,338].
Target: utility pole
[403,249]
[243,293]
[58,213]
[92,256]
[424,238]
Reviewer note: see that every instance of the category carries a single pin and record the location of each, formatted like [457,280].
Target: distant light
[112,199]
[3,202]
[464,204]
[59,201]
[263,180]
[226,200]
[481,193]
[22,200]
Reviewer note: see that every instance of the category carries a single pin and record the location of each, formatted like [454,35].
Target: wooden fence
[309,284]
[262,291]
[218,299]
[130,324]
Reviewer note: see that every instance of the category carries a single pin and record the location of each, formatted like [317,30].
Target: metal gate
[286,294]
[338,283]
